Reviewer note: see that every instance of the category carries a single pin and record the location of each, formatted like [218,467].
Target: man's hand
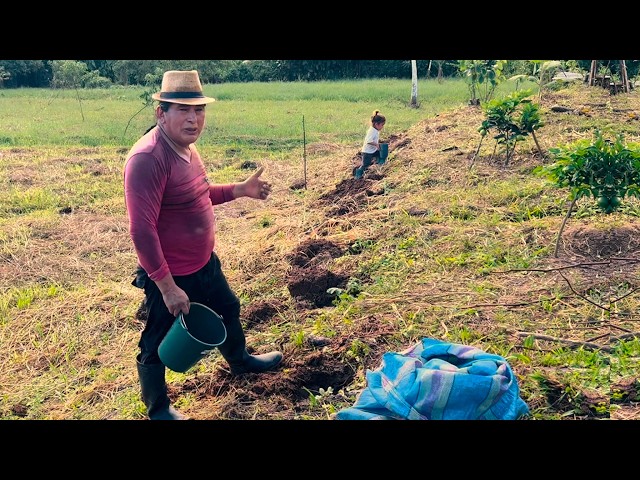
[253,187]
[174,297]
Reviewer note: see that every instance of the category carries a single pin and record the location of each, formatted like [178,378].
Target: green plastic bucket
[384,152]
[191,338]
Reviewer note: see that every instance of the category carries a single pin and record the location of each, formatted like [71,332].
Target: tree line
[105,73]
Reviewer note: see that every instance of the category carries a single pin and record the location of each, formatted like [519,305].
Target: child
[371,146]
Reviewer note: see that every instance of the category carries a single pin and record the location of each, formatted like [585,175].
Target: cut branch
[582,296]
[571,343]
[555,269]
[624,337]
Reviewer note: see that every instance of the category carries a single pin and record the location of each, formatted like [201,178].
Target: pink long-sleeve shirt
[170,205]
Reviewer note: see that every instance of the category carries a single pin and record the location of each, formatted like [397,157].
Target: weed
[297,338]
[358,350]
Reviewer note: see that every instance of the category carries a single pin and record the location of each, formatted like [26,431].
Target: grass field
[257,118]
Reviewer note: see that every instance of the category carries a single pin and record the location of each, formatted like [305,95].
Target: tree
[4,75]
[27,73]
[543,71]
[483,77]
[603,169]
[511,118]
[68,73]
[414,84]
[440,64]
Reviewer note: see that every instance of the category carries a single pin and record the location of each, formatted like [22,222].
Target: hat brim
[183,101]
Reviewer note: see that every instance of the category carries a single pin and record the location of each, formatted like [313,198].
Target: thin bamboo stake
[304,152]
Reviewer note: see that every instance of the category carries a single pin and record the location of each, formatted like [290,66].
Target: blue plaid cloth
[435,380]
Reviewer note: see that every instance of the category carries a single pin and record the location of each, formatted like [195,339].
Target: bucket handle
[182,322]
[184,325]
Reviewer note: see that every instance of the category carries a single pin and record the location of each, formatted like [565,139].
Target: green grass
[248,119]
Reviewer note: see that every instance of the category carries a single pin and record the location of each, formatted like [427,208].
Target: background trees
[101,73]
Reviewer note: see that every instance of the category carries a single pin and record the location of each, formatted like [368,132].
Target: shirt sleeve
[221,193]
[144,184]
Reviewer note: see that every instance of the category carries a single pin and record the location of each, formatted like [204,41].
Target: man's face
[183,123]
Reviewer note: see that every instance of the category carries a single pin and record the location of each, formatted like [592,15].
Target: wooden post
[623,76]
[592,72]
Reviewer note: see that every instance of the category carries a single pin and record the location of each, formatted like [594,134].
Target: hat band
[174,95]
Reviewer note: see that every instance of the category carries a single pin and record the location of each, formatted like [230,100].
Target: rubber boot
[154,392]
[366,163]
[240,361]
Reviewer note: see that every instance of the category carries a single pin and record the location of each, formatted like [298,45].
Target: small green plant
[360,245]
[297,338]
[358,349]
[608,171]
[603,169]
[347,294]
[322,399]
[530,121]
[483,76]
[512,118]
[542,74]
[265,221]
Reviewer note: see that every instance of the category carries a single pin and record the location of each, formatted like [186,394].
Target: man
[172,225]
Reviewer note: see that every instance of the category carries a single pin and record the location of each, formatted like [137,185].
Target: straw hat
[182,87]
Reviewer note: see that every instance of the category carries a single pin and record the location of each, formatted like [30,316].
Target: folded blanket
[435,380]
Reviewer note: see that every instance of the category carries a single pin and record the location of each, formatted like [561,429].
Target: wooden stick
[571,343]
[564,222]
[304,152]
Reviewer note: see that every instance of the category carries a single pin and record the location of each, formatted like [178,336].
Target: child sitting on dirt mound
[371,145]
